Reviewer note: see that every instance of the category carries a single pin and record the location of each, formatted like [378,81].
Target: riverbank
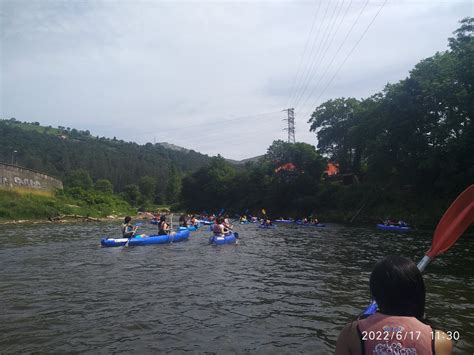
[30,207]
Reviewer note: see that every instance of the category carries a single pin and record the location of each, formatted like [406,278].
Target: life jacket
[161,230]
[385,334]
[127,230]
[217,229]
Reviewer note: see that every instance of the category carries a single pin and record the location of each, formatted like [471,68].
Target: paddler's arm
[443,345]
[348,341]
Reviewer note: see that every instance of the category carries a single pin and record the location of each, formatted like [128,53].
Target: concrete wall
[15,177]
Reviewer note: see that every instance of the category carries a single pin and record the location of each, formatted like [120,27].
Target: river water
[288,290]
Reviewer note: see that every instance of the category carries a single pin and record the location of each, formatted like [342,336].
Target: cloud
[147,70]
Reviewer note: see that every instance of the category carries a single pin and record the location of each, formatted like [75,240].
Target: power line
[325,51]
[337,52]
[308,64]
[304,51]
[352,50]
[326,35]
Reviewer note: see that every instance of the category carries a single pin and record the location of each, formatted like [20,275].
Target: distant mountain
[175,147]
[248,160]
[172,146]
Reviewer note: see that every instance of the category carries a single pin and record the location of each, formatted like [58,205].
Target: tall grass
[26,204]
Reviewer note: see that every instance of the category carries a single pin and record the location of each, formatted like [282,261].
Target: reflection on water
[278,291]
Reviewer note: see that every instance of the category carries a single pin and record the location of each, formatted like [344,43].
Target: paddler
[218,227]
[227,225]
[128,230]
[399,326]
[163,227]
[182,221]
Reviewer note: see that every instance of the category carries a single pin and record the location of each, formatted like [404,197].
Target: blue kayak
[393,228]
[244,222]
[228,239]
[145,240]
[202,221]
[310,224]
[261,226]
[154,221]
[283,221]
[188,228]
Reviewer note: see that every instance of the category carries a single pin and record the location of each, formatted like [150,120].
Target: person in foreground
[399,326]
[128,230]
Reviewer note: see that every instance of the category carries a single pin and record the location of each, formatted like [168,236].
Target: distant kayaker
[128,230]
[227,225]
[163,227]
[400,326]
[194,221]
[182,221]
[267,222]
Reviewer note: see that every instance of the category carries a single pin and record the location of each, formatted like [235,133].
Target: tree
[174,186]
[132,194]
[334,122]
[79,178]
[210,187]
[104,185]
[147,186]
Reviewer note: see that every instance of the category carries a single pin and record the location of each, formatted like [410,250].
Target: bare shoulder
[348,341]
[443,343]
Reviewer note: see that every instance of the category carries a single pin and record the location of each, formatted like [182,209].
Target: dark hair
[162,218]
[397,286]
[127,219]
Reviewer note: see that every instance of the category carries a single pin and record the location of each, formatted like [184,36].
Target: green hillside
[62,151]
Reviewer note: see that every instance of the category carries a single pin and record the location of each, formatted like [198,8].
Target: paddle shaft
[133,234]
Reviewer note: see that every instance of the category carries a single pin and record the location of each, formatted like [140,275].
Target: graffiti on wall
[17,181]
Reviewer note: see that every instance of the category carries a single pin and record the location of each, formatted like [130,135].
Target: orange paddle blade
[457,218]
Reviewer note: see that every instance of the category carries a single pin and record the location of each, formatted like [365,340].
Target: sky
[213,76]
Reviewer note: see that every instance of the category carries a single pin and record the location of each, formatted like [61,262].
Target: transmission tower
[291,125]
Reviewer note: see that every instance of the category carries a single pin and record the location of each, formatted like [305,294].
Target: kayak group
[221,225]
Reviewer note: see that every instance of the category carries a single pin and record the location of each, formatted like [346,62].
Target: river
[288,290]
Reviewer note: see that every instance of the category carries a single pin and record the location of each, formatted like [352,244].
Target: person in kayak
[163,227]
[218,227]
[267,222]
[227,225]
[128,230]
[399,326]
[182,221]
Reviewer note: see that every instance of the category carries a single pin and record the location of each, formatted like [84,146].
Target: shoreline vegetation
[26,207]
[36,207]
